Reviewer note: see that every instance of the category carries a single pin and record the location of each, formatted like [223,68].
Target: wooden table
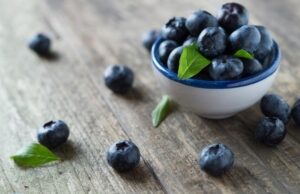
[90,35]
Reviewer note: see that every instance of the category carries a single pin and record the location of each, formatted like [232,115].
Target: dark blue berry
[119,78]
[190,40]
[175,30]
[273,105]
[232,16]
[165,48]
[149,38]
[225,68]
[216,159]
[212,42]
[268,60]
[296,112]
[265,45]
[270,131]
[123,156]
[173,60]
[40,44]
[246,37]
[199,20]
[53,134]
[251,67]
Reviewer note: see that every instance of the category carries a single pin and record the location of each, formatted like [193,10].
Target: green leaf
[160,112]
[191,62]
[34,155]
[243,54]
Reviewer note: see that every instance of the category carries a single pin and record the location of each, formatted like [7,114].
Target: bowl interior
[272,67]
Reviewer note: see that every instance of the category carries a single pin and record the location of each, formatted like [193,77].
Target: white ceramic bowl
[215,99]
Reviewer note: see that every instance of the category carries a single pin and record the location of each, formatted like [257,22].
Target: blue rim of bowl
[209,84]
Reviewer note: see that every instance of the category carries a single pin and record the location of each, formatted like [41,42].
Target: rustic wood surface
[89,35]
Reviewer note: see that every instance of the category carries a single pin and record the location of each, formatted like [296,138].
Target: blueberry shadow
[139,174]
[67,151]
[52,56]
[134,94]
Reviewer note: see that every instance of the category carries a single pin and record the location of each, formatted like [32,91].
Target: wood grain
[90,35]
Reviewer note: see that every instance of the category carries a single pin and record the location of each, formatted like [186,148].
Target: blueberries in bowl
[173,60]
[246,38]
[123,156]
[212,42]
[251,66]
[119,78]
[265,45]
[200,20]
[226,67]
[273,105]
[165,48]
[227,45]
[53,134]
[232,16]
[270,131]
[296,112]
[216,159]
[175,30]
[149,38]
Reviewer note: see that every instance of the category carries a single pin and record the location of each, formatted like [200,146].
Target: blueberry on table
[225,68]
[251,67]
[216,159]
[165,48]
[123,156]
[270,131]
[149,38]
[175,30]
[246,37]
[190,40]
[53,134]
[199,20]
[232,16]
[265,45]
[296,112]
[119,78]
[273,105]
[173,60]
[212,42]
[40,44]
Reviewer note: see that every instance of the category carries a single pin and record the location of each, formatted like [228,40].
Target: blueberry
[270,131]
[119,78]
[246,37]
[165,48]
[296,112]
[199,20]
[173,60]
[53,134]
[216,159]
[189,41]
[251,67]
[123,156]
[175,30]
[273,105]
[232,16]
[265,45]
[149,38]
[212,42]
[40,44]
[268,60]
[226,67]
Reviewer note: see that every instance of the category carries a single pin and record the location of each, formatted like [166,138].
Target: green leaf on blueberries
[161,111]
[34,155]
[243,54]
[191,62]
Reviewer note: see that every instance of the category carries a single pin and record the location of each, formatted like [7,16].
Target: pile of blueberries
[217,38]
